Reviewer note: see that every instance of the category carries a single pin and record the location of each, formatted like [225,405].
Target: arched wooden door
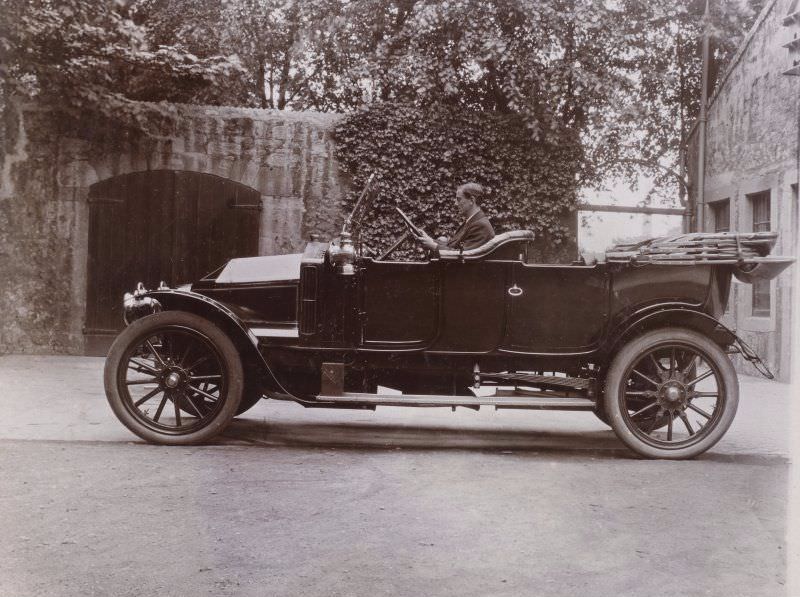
[160,225]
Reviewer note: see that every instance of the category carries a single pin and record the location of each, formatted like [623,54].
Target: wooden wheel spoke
[204,394]
[705,394]
[644,377]
[189,401]
[142,367]
[146,397]
[160,409]
[655,362]
[653,422]
[177,410]
[699,411]
[688,368]
[685,420]
[155,353]
[700,378]
[138,382]
[646,408]
[199,361]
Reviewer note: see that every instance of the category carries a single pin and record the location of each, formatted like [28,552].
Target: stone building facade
[47,175]
[752,165]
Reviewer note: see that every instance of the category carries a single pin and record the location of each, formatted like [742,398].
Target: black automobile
[634,337]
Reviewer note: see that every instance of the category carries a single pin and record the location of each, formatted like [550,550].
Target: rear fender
[667,316]
[676,316]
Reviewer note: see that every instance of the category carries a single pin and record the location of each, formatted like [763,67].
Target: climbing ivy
[419,157]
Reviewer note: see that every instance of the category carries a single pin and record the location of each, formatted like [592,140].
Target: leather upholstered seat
[489,246]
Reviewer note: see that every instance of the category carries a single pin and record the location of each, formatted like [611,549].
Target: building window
[760,206]
[795,218]
[721,212]
[761,211]
[761,298]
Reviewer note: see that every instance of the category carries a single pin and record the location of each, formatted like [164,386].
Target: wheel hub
[172,380]
[672,396]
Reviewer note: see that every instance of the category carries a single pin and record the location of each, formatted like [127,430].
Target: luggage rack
[719,247]
[748,251]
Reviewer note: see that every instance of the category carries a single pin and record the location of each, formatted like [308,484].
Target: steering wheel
[413,231]
[417,232]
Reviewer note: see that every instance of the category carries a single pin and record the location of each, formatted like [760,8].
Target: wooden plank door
[160,225]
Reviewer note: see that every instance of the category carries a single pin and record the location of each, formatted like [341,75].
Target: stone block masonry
[46,170]
[752,151]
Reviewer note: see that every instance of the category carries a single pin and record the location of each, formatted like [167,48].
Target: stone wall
[47,168]
[752,146]
[46,172]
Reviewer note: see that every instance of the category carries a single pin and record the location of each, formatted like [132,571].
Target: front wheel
[251,395]
[174,378]
[671,393]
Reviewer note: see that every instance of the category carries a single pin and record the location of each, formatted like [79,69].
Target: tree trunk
[284,81]
[261,85]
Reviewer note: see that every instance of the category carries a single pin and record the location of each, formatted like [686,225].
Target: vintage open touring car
[634,337]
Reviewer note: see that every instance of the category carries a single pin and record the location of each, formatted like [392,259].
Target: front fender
[169,299]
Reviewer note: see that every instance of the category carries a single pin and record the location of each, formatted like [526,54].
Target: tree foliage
[666,60]
[623,75]
[81,55]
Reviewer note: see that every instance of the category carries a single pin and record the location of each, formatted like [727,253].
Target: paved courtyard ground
[397,502]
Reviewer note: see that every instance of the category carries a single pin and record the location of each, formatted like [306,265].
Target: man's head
[467,197]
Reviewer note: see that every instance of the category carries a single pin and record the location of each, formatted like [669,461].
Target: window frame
[718,208]
[760,205]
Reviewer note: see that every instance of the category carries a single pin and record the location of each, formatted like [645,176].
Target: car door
[472,305]
[556,308]
[399,304]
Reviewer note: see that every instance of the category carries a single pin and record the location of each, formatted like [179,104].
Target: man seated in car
[476,229]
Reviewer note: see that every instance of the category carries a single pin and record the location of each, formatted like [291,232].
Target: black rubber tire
[137,333]
[600,413]
[251,396]
[630,354]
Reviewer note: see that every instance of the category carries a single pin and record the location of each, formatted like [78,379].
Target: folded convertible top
[748,251]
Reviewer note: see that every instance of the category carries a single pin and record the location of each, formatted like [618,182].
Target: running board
[532,402]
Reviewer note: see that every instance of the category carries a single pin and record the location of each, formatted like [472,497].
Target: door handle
[515,290]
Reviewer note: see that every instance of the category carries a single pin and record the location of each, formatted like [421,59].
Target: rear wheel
[671,393]
[600,413]
[174,378]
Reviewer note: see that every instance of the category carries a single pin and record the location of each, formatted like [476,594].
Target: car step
[539,381]
[536,402]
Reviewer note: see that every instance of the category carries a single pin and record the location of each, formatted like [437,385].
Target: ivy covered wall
[419,157]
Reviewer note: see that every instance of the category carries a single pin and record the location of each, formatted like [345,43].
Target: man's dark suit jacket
[474,232]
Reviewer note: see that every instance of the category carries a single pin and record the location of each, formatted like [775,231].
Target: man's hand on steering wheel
[426,241]
[422,237]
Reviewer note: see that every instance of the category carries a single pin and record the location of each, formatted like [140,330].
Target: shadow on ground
[354,435]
